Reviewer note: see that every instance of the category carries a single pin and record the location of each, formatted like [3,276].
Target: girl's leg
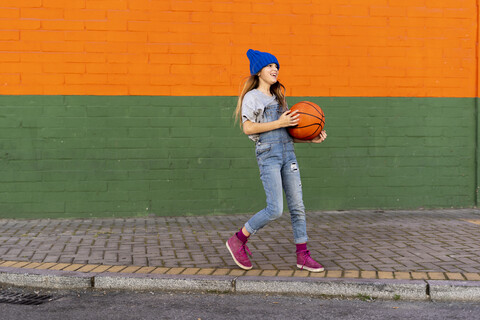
[272,183]
[245,232]
[236,245]
[292,185]
[293,189]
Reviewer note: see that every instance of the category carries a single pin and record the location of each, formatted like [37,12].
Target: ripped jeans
[279,171]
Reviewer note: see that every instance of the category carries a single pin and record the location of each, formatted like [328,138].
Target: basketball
[311,121]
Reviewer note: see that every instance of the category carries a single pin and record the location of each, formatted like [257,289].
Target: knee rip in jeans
[293,167]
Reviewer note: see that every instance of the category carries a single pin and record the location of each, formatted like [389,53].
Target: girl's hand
[288,119]
[320,138]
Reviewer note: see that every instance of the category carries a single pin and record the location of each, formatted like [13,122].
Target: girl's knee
[275,211]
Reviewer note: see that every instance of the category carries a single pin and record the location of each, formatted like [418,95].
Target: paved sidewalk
[373,245]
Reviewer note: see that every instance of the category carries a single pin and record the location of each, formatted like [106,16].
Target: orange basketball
[312,121]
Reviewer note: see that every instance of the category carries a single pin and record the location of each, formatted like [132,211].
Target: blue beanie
[259,59]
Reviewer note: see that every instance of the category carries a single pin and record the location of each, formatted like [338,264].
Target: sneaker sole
[238,263]
[299,266]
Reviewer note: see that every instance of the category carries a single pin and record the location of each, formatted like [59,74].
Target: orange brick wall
[417,48]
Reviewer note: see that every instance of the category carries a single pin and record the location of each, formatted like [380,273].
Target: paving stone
[472,276]
[334,273]
[437,276]
[116,269]
[100,269]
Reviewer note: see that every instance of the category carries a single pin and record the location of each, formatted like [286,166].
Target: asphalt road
[91,304]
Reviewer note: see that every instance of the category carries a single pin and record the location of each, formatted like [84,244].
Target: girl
[265,116]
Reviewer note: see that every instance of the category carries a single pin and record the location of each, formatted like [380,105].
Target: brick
[11,79]
[88,268]
[84,14]
[205,271]
[269,273]
[108,25]
[41,13]
[190,271]
[354,10]
[86,36]
[130,269]
[464,13]
[454,276]
[334,273]
[107,4]
[385,275]
[402,275]
[318,274]
[472,276]
[40,78]
[437,276]
[187,6]
[48,265]
[301,273]
[72,267]
[66,67]
[351,274]
[419,275]
[116,269]
[7,263]
[368,274]
[102,47]
[63,25]
[237,272]
[63,4]
[62,47]
[387,11]
[9,13]
[221,272]
[145,270]
[20,24]
[6,35]
[101,269]
[19,264]
[258,272]
[175,271]
[32,265]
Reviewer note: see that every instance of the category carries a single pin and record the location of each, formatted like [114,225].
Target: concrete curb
[454,290]
[382,289]
[420,290]
[221,284]
[47,279]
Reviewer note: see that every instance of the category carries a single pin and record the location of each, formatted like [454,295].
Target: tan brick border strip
[350,274]
[477,221]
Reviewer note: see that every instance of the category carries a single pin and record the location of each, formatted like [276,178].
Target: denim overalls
[279,169]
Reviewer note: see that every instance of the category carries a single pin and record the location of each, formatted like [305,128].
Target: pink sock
[241,236]
[301,247]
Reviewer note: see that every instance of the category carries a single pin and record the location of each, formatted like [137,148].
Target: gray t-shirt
[253,105]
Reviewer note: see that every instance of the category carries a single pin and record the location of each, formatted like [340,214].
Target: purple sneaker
[239,250]
[304,261]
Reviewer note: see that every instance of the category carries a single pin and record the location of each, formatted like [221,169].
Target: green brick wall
[104,156]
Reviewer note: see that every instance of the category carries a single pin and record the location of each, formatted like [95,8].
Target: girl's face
[269,74]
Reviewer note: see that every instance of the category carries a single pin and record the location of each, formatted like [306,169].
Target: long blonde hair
[252,82]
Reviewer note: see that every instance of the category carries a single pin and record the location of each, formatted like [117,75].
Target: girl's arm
[318,139]
[287,119]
